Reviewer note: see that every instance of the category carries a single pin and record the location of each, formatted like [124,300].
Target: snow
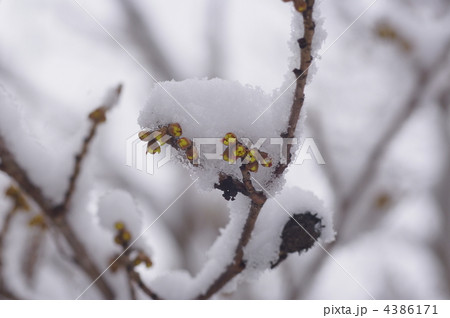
[119,206]
[220,107]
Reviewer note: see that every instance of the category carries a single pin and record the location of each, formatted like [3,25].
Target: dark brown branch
[138,280]
[8,295]
[32,255]
[4,231]
[440,244]
[238,264]
[246,187]
[305,44]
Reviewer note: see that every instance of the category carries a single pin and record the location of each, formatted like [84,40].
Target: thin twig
[301,74]
[32,254]
[238,265]
[96,121]
[136,277]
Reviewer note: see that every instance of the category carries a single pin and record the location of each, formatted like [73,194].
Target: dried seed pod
[175,130]
[299,234]
[153,147]
[252,166]
[229,139]
[184,143]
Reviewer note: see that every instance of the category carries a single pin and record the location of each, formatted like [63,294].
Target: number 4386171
[411,309]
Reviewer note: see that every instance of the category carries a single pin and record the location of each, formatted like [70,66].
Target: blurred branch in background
[442,189]
[140,33]
[56,213]
[346,203]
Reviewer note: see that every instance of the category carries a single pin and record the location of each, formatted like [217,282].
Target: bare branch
[139,32]
[10,166]
[97,117]
[246,187]
[4,231]
[301,74]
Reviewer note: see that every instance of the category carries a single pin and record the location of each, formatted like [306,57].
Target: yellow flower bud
[240,150]
[175,130]
[98,115]
[126,236]
[184,143]
[251,156]
[145,135]
[252,166]
[119,226]
[227,157]
[229,138]
[153,147]
[38,220]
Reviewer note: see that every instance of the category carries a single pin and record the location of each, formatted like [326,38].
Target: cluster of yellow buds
[38,221]
[161,136]
[123,236]
[142,258]
[251,158]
